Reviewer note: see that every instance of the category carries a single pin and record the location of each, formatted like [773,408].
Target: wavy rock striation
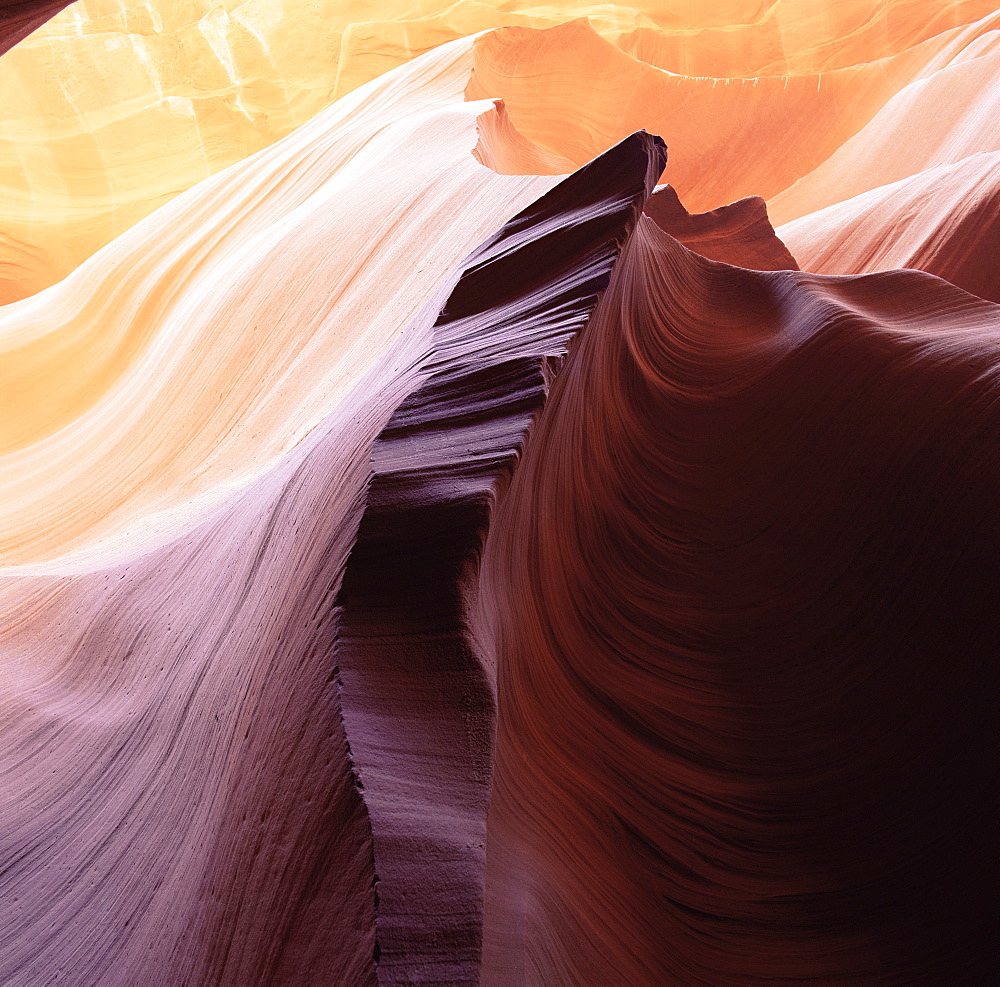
[179,801]
[308,524]
[418,703]
[949,112]
[742,605]
[215,775]
[115,107]
[574,93]
[199,347]
[945,220]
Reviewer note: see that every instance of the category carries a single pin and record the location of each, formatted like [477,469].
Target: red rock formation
[730,634]
[739,233]
[742,599]
[18,18]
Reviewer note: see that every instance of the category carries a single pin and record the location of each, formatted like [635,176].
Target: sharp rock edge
[20,17]
[417,700]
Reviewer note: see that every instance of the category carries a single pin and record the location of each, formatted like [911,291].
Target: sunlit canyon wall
[499,493]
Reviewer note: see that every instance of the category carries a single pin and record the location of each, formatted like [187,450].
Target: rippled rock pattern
[769,752]
[446,539]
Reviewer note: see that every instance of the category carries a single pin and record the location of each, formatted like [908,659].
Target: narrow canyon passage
[447,538]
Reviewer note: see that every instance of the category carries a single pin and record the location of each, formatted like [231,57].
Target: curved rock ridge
[213,774]
[741,599]
[179,803]
[945,220]
[940,118]
[178,800]
[196,349]
[739,233]
[417,701]
[115,107]
[429,553]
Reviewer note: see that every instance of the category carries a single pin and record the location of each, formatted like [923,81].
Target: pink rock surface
[179,801]
[945,220]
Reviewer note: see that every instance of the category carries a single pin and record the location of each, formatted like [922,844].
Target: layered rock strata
[418,702]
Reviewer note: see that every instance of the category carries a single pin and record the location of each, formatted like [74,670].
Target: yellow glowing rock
[112,108]
[200,346]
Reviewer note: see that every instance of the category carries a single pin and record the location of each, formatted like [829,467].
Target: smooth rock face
[945,220]
[573,92]
[179,804]
[116,106]
[430,553]
[947,113]
[732,747]
[199,347]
